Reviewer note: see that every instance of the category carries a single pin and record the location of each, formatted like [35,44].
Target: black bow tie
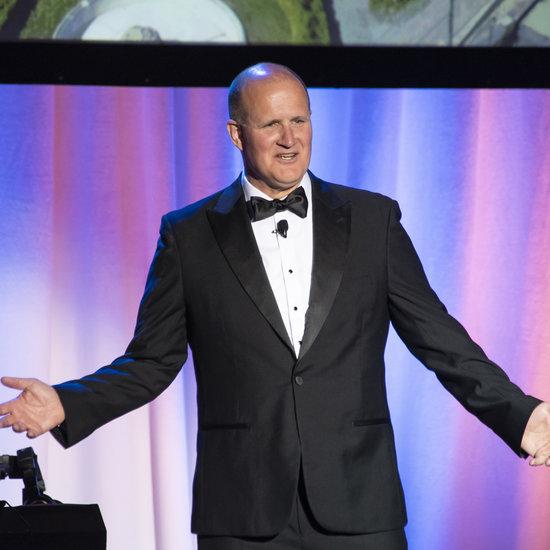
[260,209]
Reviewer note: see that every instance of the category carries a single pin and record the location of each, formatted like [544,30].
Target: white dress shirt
[287,261]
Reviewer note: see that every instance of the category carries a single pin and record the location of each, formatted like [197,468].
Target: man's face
[275,135]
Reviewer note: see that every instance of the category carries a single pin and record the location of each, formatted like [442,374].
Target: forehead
[270,96]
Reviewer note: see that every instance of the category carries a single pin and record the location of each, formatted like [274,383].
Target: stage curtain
[87,172]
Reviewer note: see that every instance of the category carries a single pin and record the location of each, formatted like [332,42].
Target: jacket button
[299,380]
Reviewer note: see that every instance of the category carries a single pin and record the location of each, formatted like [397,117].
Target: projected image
[322,22]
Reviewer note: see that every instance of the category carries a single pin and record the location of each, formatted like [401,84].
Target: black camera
[25,466]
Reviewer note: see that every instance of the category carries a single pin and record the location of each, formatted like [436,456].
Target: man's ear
[234,131]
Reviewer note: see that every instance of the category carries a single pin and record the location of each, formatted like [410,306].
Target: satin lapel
[331,231]
[232,229]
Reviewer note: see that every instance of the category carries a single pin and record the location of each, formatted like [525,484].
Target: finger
[541,456]
[8,406]
[536,461]
[16,383]
[7,421]
[35,431]
[544,458]
[18,428]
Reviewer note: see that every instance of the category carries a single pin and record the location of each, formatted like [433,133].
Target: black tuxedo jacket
[261,409]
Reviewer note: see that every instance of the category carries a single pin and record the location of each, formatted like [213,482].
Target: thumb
[16,383]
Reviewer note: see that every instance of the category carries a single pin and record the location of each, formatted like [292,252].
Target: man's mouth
[288,156]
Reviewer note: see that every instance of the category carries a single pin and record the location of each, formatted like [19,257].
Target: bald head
[260,72]
[270,124]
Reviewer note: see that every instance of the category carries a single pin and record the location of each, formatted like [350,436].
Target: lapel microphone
[282,228]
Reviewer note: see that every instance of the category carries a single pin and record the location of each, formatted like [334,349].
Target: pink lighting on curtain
[87,172]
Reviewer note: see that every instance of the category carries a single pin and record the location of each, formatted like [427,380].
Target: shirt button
[299,380]
[290,271]
[295,308]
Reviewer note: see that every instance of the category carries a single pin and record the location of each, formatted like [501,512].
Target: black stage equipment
[42,522]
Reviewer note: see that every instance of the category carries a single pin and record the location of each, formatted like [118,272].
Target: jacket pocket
[370,422]
[236,426]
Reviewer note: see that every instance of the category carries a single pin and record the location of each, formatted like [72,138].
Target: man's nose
[286,138]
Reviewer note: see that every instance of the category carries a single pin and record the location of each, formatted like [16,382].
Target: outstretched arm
[74,409]
[36,410]
[442,344]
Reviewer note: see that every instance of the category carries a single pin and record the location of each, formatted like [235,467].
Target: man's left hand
[536,438]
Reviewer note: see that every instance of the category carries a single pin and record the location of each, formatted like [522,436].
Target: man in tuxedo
[284,286]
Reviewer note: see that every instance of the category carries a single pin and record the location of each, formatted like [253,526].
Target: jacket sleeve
[442,344]
[151,362]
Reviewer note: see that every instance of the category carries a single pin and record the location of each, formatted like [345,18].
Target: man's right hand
[36,410]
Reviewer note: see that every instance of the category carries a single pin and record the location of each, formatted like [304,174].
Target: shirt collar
[251,191]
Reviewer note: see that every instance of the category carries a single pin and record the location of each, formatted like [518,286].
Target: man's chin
[287,182]
[284,187]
